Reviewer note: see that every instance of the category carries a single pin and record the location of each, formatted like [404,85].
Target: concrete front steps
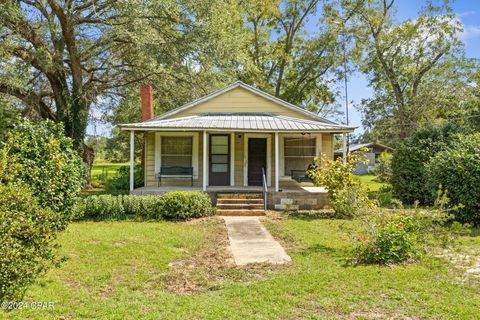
[240,204]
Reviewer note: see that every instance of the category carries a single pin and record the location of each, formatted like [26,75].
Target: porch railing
[264,188]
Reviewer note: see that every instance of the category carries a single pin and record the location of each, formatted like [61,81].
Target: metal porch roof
[237,121]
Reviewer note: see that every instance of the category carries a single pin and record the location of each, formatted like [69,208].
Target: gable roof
[246,87]
[357,146]
[249,121]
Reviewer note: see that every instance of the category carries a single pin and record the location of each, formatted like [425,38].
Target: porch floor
[162,189]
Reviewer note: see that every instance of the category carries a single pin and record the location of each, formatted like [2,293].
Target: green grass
[369,181]
[117,270]
[101,172]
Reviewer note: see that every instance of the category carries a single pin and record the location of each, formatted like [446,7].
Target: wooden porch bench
[175,172]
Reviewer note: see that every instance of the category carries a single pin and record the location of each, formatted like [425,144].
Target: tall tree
[417,68]
[293,51]
[61,57]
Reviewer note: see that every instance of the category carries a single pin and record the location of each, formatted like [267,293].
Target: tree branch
[31,99]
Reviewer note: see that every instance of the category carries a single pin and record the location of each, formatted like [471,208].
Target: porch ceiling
[238,122]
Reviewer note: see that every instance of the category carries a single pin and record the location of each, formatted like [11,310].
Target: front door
[219,173]
[257,159]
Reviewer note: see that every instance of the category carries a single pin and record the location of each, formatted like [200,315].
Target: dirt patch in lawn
[311,308]
[467,262]
[212,267]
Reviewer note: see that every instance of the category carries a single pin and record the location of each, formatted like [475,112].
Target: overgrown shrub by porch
[178,205]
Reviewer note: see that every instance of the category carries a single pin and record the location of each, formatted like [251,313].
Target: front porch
[226,159]
[234,162]
[224,189]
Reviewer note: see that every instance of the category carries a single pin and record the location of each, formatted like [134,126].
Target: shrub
[27,233]
[179,205]
[120,181]
[457,169]
[391,242]
[405,235]
[409,162]
[385,198]
[104,207]
[182,205]
[46,162]
[144,207]
[347,196]
[384,168]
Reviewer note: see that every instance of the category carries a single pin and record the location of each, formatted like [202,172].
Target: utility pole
[345,78]
[341,25]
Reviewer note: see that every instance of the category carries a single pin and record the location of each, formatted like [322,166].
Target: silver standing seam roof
[357,146]
[255,121]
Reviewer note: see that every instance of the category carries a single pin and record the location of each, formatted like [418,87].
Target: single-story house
[235,140]
[372,154]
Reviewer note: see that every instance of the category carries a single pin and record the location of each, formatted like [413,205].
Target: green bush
[44,159]
[392,242]
[120,181]
[385,198]
[144,207]
[457,170]
[179,205]
[384,168]
[27,234]
[396,236]
[409,162]
[182,205]
[346,195]
[104,207]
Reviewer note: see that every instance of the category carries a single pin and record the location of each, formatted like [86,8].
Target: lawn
[101,171]
[369,181]
[106,168]
[122,270]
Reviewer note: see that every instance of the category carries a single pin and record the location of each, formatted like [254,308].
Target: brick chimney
[146,94]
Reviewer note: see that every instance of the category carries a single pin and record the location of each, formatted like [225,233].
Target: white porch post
[232,159]
[204,185]
[132,158]
[277,164]
[344,148]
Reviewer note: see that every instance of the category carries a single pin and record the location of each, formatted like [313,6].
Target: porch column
[344,148]
[132,158]
[205,171]
[277,165]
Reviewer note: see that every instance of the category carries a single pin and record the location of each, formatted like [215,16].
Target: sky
[467,11]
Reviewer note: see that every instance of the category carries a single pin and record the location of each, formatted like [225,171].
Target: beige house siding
[327,145]
[150,160]
[240,100]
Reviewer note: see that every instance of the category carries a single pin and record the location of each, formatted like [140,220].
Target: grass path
[121,270]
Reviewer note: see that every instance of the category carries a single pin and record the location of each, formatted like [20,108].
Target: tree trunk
[88,157]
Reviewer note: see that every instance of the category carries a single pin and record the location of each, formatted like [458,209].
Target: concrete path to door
[252,243]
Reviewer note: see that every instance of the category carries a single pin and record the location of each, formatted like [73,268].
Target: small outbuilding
[372,155]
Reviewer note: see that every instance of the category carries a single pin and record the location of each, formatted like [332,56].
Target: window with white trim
[298,153]
[176,151]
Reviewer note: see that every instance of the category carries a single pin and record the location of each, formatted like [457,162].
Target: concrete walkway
[252,243]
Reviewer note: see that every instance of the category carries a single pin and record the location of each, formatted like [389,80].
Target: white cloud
[470,32]
[466,13]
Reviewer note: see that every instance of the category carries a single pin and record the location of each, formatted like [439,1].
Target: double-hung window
[298,153]
[176,151]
